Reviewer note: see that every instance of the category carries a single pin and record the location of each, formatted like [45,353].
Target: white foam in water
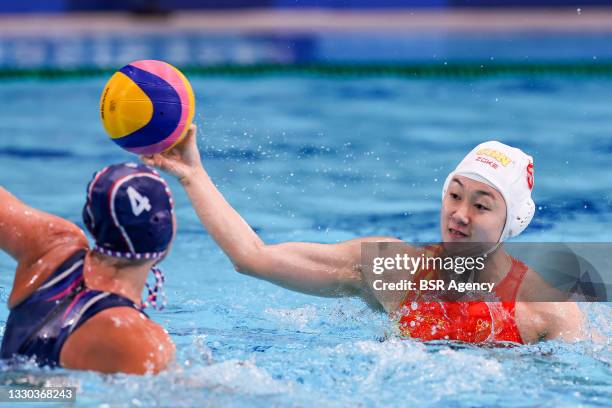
[389,357]
[299,317]
[383,368]
[598,329]
[237,376]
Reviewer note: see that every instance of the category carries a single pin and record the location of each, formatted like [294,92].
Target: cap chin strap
[493,249]
[155,291]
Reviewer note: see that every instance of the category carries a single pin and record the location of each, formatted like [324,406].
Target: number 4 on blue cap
[138,202]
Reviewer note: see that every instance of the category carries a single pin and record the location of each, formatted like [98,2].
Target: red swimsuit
[473,322]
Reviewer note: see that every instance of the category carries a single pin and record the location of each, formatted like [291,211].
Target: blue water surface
[324,160]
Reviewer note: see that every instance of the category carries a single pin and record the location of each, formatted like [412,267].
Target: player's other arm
[34,239]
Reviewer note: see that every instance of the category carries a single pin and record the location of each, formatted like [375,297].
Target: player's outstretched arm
[319,269]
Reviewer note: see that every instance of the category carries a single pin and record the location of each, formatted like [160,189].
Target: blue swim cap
[129,212]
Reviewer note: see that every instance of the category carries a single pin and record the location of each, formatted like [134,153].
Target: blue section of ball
[167,109]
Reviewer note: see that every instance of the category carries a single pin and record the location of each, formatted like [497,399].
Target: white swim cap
[508,170]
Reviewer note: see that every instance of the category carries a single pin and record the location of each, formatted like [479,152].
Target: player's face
[472,212]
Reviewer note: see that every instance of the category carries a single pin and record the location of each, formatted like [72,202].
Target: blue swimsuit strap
[74,309]
[62,281]
[93,302]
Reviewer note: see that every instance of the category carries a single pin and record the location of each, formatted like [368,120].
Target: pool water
[327,159]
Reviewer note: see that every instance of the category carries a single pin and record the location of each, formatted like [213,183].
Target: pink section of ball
[168,74]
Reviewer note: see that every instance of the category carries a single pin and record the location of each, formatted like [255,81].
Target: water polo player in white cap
[487,199]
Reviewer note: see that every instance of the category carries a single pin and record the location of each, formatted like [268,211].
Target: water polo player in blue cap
[487,199]
[81,308]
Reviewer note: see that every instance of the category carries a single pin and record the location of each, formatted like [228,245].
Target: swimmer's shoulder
[48,240]
[355,250]
[383,245]
[119,339]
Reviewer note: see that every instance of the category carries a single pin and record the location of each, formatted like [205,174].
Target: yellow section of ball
[124,107]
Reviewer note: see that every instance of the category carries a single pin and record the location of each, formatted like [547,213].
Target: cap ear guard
[523,209]
[520,220]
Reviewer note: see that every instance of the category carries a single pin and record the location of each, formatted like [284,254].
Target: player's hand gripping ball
[147,106]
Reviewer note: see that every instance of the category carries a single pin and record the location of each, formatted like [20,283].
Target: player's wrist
[191,174]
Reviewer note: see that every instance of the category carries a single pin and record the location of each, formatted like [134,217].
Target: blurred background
[131,5]
[97,34]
